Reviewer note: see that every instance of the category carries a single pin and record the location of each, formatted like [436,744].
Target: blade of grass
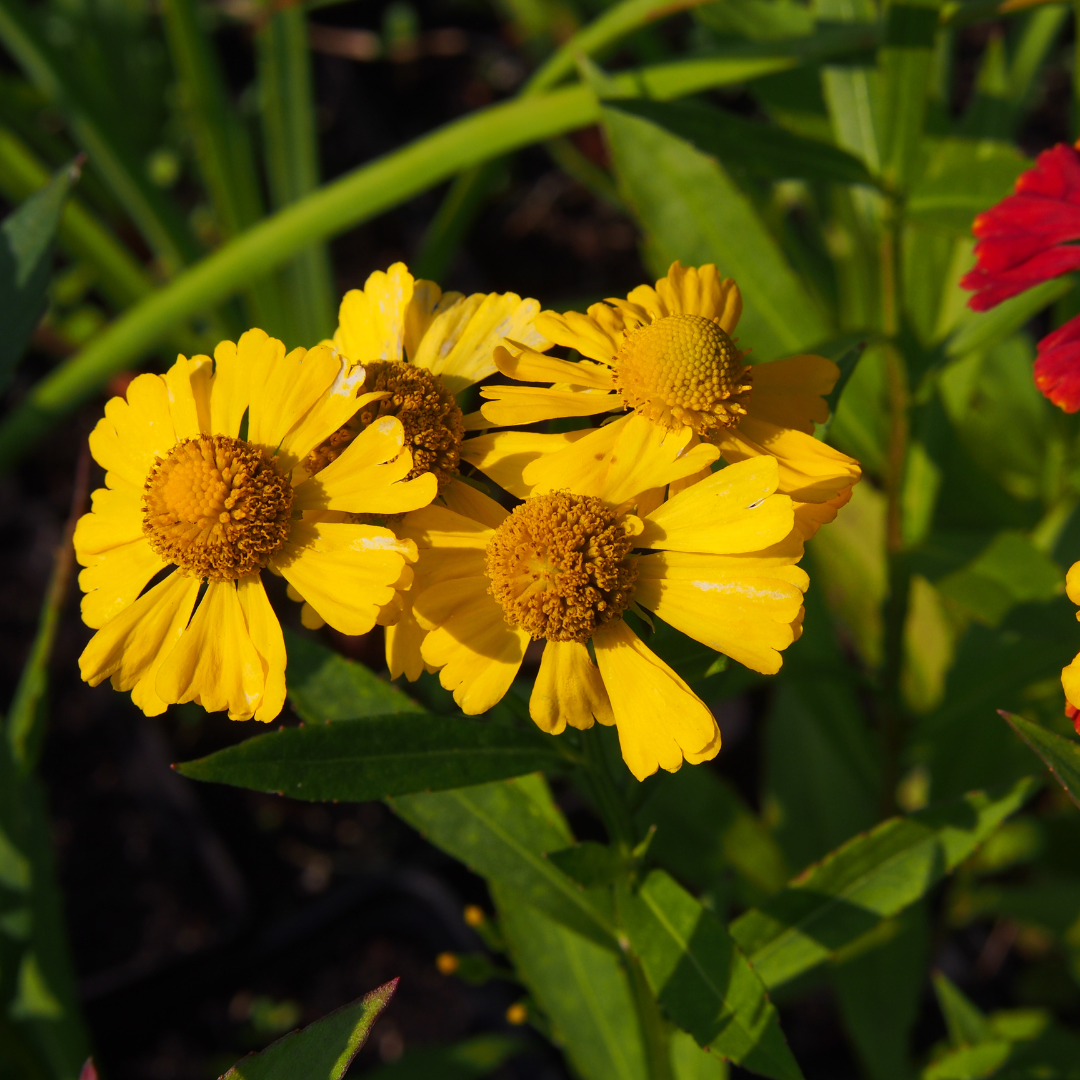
[292,163]
[157,219]
[353,198]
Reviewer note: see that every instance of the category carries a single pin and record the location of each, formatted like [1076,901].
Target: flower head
[668,355]
[193,500]
[717,561]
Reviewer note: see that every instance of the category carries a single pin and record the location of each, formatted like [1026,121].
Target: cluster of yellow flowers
[350,470]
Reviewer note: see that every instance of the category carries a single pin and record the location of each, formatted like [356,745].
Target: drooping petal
[744,614]
[791,393]
[596,338]
[371,321]
[215,663]
[368,476]
[115,518]
[527,365]
[141,634]
[515,406]
[810,471]
[269,642]
[477,652]
[809,517]
[504,456]
[661,721]
[403,641]
[134,432]
[1057,366]
[345,572]
[568,690]
[113,579]
[464,499]
[732,511]
[460,342]
[188,385]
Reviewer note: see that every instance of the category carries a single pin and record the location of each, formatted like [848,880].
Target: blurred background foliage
[240,164]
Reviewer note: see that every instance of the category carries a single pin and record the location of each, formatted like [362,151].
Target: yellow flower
[1070,675]
[420,347]
[716,561]
[188,498]
[667,354]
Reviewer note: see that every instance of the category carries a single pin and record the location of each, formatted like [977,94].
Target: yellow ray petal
[188,385]
[237,368]
[333,409]
[459,344]
[345,572]
[368,477]
[515,406]
[791,393]
[504,456]
[568,690]
[1070,682]
[587,334]
[744,614]
[266,636]
[1072,583]
[443,529]
[661,720]
[810,471]
[114,579]
[215,663]
[733,510]
[371,322]
[809,517]
[141,633]
[292,384]
[115,518]
[403,641]
[466,500]
[527,365]
[691,290]
[135,432]
[477,651]
[428,300]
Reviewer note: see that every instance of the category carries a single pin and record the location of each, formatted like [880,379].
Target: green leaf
[582,989]
[504,831]
[1061,756]
[14,866]
[323,1050]
[381,756]
[702,980]
[758,20]
[981,329]
[469,1060]
[747,147]
[964,1022]
[869,878]
[324,686]
[690,209]
[962,178]
[26,238]
[692,1062]
[590,864]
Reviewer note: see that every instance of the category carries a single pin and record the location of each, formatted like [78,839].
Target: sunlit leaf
[1060,755]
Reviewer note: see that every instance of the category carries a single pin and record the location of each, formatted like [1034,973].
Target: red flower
[1025,240]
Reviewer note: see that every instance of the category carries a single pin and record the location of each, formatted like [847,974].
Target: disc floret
[684,370]
[217,507]
[559,566]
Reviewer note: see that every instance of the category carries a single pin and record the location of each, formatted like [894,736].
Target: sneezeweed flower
[665,354]
[204,492]
[716,561]
[419,347]
[1027,239]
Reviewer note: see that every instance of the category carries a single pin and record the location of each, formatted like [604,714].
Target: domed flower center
[217,507]
[683,369]
[558,565]
[427,411]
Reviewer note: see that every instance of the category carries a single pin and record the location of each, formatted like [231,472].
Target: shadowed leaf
[1061,756]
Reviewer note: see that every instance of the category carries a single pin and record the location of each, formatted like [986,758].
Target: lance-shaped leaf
[322,1051]
[504,831]
[26,237]
[702,979]
[1061,756]
[377,757]
[869,878]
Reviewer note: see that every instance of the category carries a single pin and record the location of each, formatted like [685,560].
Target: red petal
[1057,367]
[991,287]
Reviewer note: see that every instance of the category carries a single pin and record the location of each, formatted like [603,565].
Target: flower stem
[654,1029]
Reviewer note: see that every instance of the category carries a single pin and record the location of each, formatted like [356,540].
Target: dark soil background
[205,920]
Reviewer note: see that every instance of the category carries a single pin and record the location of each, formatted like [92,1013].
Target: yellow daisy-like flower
[1070,675]
[187,497]
[667,354]
[420,347]
[716,561]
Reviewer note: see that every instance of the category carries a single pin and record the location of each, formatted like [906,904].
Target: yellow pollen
[217,507]
[427,411]
[684,370]
[558,565]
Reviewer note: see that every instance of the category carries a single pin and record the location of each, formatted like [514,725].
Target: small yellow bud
[474,915]
[447,963]
[517,1013]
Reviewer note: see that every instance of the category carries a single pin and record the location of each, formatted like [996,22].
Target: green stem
[654,1029]
[609,801]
